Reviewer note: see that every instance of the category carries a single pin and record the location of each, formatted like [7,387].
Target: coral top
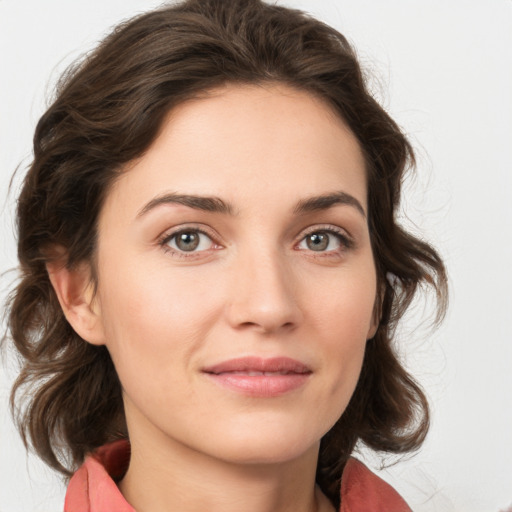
[93,489]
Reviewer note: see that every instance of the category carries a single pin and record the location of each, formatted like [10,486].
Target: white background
[444,71]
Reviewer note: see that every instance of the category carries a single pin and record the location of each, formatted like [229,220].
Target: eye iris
[317,241]
[187,241]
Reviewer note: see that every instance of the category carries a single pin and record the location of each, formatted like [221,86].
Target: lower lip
[264,386]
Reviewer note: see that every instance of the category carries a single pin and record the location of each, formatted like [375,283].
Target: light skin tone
[241,232]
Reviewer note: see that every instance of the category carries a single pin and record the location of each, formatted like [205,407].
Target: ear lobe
[74,290]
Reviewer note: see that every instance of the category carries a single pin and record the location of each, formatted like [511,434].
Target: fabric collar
[93,489]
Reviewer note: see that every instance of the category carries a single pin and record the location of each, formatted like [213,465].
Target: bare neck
[169,477]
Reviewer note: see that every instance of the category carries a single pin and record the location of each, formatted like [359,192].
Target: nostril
[263,299]
[268,328]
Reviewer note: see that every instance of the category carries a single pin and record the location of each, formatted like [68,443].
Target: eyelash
[346,242]
[167,237]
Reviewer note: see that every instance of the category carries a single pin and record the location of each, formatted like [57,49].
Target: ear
[75,291]
[374,325]
[377,313]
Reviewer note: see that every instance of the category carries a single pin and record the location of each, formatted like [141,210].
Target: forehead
[248,142]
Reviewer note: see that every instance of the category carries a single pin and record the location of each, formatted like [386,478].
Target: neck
[164,477]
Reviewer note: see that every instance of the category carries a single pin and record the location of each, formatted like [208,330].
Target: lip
[260,377]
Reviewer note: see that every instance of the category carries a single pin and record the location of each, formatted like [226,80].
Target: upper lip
[259,364]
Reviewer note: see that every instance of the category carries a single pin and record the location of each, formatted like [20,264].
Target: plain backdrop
[443,69]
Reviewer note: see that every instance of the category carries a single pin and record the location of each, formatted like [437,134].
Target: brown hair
[107,111]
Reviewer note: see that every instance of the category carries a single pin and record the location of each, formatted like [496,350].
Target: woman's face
[236,278]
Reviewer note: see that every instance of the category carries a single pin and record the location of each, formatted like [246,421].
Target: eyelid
[167,235]
[346,239]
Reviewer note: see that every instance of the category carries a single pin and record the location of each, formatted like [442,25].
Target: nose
[263,294]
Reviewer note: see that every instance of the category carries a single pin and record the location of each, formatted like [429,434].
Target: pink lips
[260,377]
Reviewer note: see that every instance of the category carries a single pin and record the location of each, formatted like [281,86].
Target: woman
[212,271]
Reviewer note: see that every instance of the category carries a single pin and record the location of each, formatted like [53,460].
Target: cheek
[343,321]
[345,303]
[152,297]
[154,319]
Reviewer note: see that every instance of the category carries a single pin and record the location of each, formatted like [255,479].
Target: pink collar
[93,489]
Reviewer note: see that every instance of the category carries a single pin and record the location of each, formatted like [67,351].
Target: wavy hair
[107,110]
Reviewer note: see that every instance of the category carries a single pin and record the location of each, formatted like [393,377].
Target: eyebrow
[205,203]
[214,204]
[326,201]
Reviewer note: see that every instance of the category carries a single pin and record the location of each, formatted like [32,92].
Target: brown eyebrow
[205,203]
[326,201]
[217,205]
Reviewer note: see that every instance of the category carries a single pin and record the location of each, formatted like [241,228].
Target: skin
[256,285]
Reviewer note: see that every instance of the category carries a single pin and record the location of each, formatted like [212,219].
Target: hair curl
[107,111]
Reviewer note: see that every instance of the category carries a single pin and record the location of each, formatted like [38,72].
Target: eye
[188,240]
[325,240]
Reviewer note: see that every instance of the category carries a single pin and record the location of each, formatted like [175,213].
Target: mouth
[260,377]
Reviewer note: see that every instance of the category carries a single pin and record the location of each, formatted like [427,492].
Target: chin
[268,453]
[270,444]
